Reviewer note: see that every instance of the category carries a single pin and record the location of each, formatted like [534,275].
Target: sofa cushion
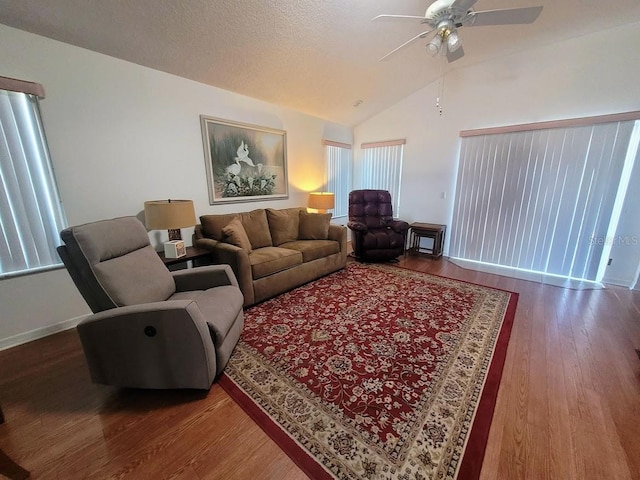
[283,224]
[314,226]
[313,249]
[257,228]
[268,260]
[235,234]
[212,225]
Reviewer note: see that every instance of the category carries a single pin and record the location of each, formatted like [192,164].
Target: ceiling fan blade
[463,4]
[458,54]
[411,40]
[394,18]
[508,16]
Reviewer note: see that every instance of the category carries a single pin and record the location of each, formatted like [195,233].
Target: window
[542,199]
[381,168]
[30,209]
[338,160]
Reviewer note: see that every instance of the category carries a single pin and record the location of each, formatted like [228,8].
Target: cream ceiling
[316,56]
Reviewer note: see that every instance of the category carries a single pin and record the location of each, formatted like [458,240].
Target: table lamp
[171,215]
[321,201]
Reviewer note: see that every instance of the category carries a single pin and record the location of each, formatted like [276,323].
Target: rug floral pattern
[376,371]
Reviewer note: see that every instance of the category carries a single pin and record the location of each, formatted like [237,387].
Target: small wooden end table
[193,253]
[427,230]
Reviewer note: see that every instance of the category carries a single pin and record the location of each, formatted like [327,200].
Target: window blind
[30,209]
[338,158]
[381,168]
[540,200]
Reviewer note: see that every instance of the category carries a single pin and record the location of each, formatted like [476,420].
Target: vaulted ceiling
[316,56]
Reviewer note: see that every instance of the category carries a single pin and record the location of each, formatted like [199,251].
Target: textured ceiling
[316,56]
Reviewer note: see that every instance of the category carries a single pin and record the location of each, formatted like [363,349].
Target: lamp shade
[169,214]
[321,200]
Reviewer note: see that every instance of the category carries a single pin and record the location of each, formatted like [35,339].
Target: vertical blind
[539,200]
[30,210]
[338,159]
[381,168]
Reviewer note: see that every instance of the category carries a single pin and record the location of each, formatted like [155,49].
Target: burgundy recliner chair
[375,235]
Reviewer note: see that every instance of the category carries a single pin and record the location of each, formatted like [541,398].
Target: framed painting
[244,163]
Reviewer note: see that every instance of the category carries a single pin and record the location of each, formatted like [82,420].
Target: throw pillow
[283,225]
[235,234]
[314,226]
[257,228]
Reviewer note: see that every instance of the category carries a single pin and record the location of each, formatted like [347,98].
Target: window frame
[380,168]
[31,208]
[339,174]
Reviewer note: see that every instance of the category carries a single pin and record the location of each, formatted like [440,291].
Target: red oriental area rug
[376,372]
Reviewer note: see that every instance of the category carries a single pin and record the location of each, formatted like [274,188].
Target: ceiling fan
[446,16]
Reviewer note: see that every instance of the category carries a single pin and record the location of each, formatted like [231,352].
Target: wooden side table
[427,230]
[199,256]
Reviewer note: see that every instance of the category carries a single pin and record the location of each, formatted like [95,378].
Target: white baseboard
[31,335]
[526,275]
[620,282]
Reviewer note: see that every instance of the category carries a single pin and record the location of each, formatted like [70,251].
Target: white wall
[625,245]
[585,76]
[120,134]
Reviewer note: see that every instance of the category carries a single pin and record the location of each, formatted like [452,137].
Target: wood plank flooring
[568,406]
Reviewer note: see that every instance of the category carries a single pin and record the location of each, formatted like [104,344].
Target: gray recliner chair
[151,328]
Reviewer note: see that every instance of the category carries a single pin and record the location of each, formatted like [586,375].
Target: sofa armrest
[238,260]
[203,278]
[208,243]
[153,345]
[339,234]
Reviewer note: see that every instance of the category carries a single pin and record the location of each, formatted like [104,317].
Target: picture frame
[244,162]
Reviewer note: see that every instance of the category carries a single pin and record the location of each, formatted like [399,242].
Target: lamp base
[174,234]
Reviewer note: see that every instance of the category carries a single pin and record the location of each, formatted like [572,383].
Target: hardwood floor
[568,405]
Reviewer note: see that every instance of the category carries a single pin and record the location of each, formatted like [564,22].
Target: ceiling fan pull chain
[441,87]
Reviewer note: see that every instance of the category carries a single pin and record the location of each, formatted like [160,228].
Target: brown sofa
[273,250]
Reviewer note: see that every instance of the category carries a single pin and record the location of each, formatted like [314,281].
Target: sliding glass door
[542,200]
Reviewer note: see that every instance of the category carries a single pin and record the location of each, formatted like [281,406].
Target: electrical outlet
[609,262]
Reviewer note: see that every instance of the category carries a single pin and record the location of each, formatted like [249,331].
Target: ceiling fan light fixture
[433,47]
[453,41]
